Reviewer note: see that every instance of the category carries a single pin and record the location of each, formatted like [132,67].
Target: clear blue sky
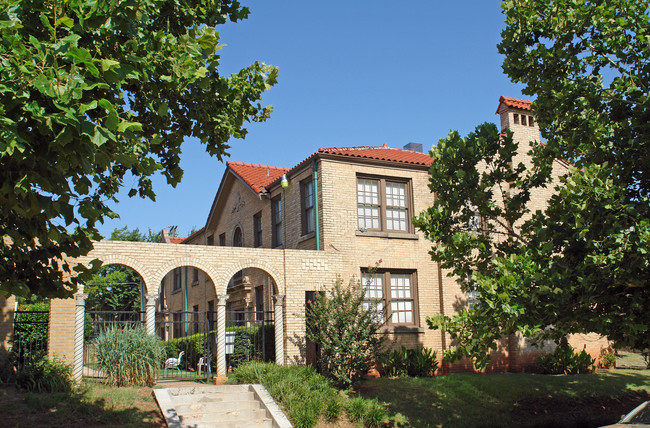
[352,73]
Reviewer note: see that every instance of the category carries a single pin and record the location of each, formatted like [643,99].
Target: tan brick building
[275,235]
[354,206]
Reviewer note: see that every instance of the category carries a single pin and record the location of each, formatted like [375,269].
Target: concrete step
[218,397]
[242,416]
[216,407]
[266,423]
[208,406]
[183,390]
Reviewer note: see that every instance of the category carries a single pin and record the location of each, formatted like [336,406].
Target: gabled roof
[514,102]
[384,153]
[257,177]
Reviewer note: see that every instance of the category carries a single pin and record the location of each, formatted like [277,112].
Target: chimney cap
[416,147]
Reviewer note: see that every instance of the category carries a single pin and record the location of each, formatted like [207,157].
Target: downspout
[316,222]
[185,301]
[141,300]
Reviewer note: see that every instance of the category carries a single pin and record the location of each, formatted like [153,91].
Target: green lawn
[525,400]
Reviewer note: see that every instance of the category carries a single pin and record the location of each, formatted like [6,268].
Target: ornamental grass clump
[129,356]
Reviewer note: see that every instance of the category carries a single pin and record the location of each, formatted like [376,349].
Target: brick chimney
[517,116]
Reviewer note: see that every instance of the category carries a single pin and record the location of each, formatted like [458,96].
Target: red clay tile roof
[381,153]
[256,176]
[176,239]
[514,102]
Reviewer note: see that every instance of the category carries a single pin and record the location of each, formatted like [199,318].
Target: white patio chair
[172,363]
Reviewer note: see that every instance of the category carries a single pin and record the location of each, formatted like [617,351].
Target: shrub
[44,375]
[368,413]
[333,408]
[193,346]
[375,414]
[414,362]
[305,395]
[564,360]
[356,408]
[129,356]
[251,343]
[346,332]
[29,338]
[422,362]
[608,360]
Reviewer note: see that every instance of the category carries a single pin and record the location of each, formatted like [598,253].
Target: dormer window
[515,119]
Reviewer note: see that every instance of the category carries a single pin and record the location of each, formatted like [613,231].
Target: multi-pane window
[392,293]
[396,206]
[178,284]
[257,229]
[307,205]
[373,293]
[401,299]
[276,220]
[383,204]
[222,240]
[368,204]
[195,276]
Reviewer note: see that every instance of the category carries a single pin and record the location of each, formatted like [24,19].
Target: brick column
[61,330]
[221,337]
[7,307]
[150,313]
[79,314]
[278,301]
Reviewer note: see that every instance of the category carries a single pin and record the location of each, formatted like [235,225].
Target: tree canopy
[93,93]
[582,264]
[117,287]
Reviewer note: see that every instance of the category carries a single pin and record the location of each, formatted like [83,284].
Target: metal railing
[250,335]
[97,322]
[29,339]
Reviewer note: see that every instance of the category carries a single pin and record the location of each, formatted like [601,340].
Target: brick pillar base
[61,331]
[7,308]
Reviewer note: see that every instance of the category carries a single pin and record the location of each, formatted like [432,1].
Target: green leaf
[132,126]
[68,22]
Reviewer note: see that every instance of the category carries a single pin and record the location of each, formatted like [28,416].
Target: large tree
[117,287]
[93,92]
[583,264]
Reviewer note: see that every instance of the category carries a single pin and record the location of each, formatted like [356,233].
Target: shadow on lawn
[513,399]
[75,410]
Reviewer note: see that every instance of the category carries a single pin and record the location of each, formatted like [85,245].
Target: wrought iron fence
[250,335]
[97,322]
[29,340]
[186,337]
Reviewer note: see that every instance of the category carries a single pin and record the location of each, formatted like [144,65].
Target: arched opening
[115,299]
[115,287]
[250,332]
[186,323]
[238,237]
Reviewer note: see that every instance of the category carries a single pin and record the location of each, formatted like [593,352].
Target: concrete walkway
[188,404]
